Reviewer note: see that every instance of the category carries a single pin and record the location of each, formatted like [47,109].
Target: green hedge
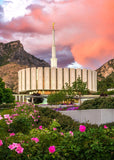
[95,143]
[98,103]
[8,105]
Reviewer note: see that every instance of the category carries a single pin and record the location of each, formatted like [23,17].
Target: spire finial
[53,25]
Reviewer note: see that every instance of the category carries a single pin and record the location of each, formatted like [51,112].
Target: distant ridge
[14,52]
[13,57]
[106,70]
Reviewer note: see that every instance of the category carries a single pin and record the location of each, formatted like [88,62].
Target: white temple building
[45,80]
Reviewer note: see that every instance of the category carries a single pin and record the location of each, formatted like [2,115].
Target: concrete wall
[33,78]
[54,78]
[93,116]
[47,78]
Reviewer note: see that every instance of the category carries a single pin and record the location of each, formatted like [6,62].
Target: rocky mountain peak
[14,52]
[106,69]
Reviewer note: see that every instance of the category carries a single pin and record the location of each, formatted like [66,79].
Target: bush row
[98,103]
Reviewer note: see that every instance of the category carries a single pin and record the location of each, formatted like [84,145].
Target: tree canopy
[5,93]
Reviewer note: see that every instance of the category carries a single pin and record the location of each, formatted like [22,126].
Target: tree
[80,88]
[5,93]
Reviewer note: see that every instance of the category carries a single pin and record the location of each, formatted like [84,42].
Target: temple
[45,80]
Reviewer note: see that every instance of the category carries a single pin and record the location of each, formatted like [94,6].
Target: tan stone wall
[54,78]
[19,81]
[78,73]
[28,79]
[66,75]
[72,76]
[33,78]
[40,78]
[59,79]
[23,80]
[47,78]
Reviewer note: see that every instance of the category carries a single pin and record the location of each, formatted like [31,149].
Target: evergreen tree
[5,93]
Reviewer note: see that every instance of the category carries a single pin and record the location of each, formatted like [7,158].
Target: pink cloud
[87,27]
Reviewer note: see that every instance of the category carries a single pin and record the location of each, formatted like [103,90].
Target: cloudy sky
[84,29]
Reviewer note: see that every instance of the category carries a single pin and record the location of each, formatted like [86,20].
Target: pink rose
[62,134]
[82,128]
[35,139]
[71,133]
[54,129]
[19,150]
[1,117]
[12,134]
[6,116]
[51,149]
[105,127]
[1,143]
[40,127]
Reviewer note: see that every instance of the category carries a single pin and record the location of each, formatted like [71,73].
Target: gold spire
[53,25]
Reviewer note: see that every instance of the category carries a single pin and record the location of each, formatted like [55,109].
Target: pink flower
[12,134]
[32,124]
[38,116]
[33,117]
[19,150]
[11,146]
[35,120]
[71,133]
[1,117]
[6,116]
[22,110]
[40,127]
[1,143]
[82,128]
[54,129]
[51,149]
[62,134]
[35,139]
[105,127]
[14,145]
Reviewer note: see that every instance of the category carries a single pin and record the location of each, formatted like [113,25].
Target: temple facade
[45,80]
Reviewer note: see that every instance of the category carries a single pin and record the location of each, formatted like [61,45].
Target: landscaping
[29,132]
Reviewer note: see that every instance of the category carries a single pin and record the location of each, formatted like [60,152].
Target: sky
[84,29]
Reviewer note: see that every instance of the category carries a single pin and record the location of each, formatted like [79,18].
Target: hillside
[13,57]
[106,70]
[14,52]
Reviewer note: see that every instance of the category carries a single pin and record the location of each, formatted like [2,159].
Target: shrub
[8,105]
[94,143]
[5,93]
[21,124]
[98,103]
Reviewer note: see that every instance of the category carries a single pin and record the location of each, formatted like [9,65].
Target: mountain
[106,70]
[13,58]
[14,52]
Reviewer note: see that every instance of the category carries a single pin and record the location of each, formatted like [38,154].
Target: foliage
[94,143]
[8,105]
[105,84]
[21,124]
[98,103]
[56,98]
[67,94]
[5,93]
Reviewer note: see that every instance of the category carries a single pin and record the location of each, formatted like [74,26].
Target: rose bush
[53,141]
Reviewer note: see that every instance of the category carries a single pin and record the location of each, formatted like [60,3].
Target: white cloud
[15,8]
[75,65]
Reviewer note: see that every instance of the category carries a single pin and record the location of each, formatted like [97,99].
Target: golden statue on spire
[53,25]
